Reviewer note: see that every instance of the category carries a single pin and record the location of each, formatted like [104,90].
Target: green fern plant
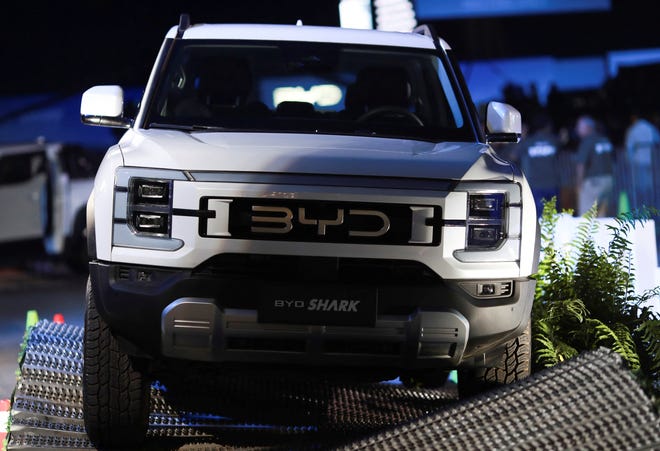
[585,298]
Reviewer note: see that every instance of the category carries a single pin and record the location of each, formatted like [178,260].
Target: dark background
[68,46]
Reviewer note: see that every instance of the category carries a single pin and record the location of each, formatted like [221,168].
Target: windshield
[310,88]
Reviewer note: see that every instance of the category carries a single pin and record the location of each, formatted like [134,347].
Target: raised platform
[591,402]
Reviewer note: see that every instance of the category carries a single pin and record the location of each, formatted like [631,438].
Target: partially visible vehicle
[45,187]
[23,183]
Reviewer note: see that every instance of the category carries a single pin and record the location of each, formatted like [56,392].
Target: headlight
[493,222]
[143,208]
[486,224]
[150,206]
[151,223]
[151,192]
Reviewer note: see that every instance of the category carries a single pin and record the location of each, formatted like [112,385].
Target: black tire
[115,391]
[514,365]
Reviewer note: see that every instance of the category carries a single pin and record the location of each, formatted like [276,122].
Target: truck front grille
[321,269]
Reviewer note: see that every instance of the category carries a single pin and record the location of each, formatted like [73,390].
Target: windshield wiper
[187,128]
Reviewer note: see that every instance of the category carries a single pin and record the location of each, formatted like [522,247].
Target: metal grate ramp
[590,402]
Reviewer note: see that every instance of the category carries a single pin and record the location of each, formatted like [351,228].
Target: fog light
[487,289]
[143,276]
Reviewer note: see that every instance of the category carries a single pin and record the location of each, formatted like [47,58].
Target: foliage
[585,298]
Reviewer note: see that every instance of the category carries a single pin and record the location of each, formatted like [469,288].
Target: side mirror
[503,123]
[104,106]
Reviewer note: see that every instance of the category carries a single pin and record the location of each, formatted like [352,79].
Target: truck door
[23,196]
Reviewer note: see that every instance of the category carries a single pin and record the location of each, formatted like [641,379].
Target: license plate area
[318,305]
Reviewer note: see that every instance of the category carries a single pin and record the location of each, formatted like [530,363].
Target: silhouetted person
[595,167]
[642,146]
[537,156]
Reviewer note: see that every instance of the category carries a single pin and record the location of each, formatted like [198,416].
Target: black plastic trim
[206,214]
[184,24]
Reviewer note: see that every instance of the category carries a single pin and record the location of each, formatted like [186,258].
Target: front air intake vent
[280,267]
[123,273]
[505,289]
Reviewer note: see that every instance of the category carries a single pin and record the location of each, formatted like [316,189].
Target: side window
[21,168]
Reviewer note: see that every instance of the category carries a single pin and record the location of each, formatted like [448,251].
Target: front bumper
[197,315]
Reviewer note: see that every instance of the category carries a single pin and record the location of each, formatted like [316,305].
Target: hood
[312,154]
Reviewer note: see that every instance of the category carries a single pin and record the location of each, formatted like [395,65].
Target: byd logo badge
[319,305]
[281,220]
[320,221]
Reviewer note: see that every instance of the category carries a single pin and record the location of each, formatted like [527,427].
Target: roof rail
[429,31]
[184,24]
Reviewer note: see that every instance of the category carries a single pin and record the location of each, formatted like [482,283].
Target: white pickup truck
[44,189]
[303,196]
